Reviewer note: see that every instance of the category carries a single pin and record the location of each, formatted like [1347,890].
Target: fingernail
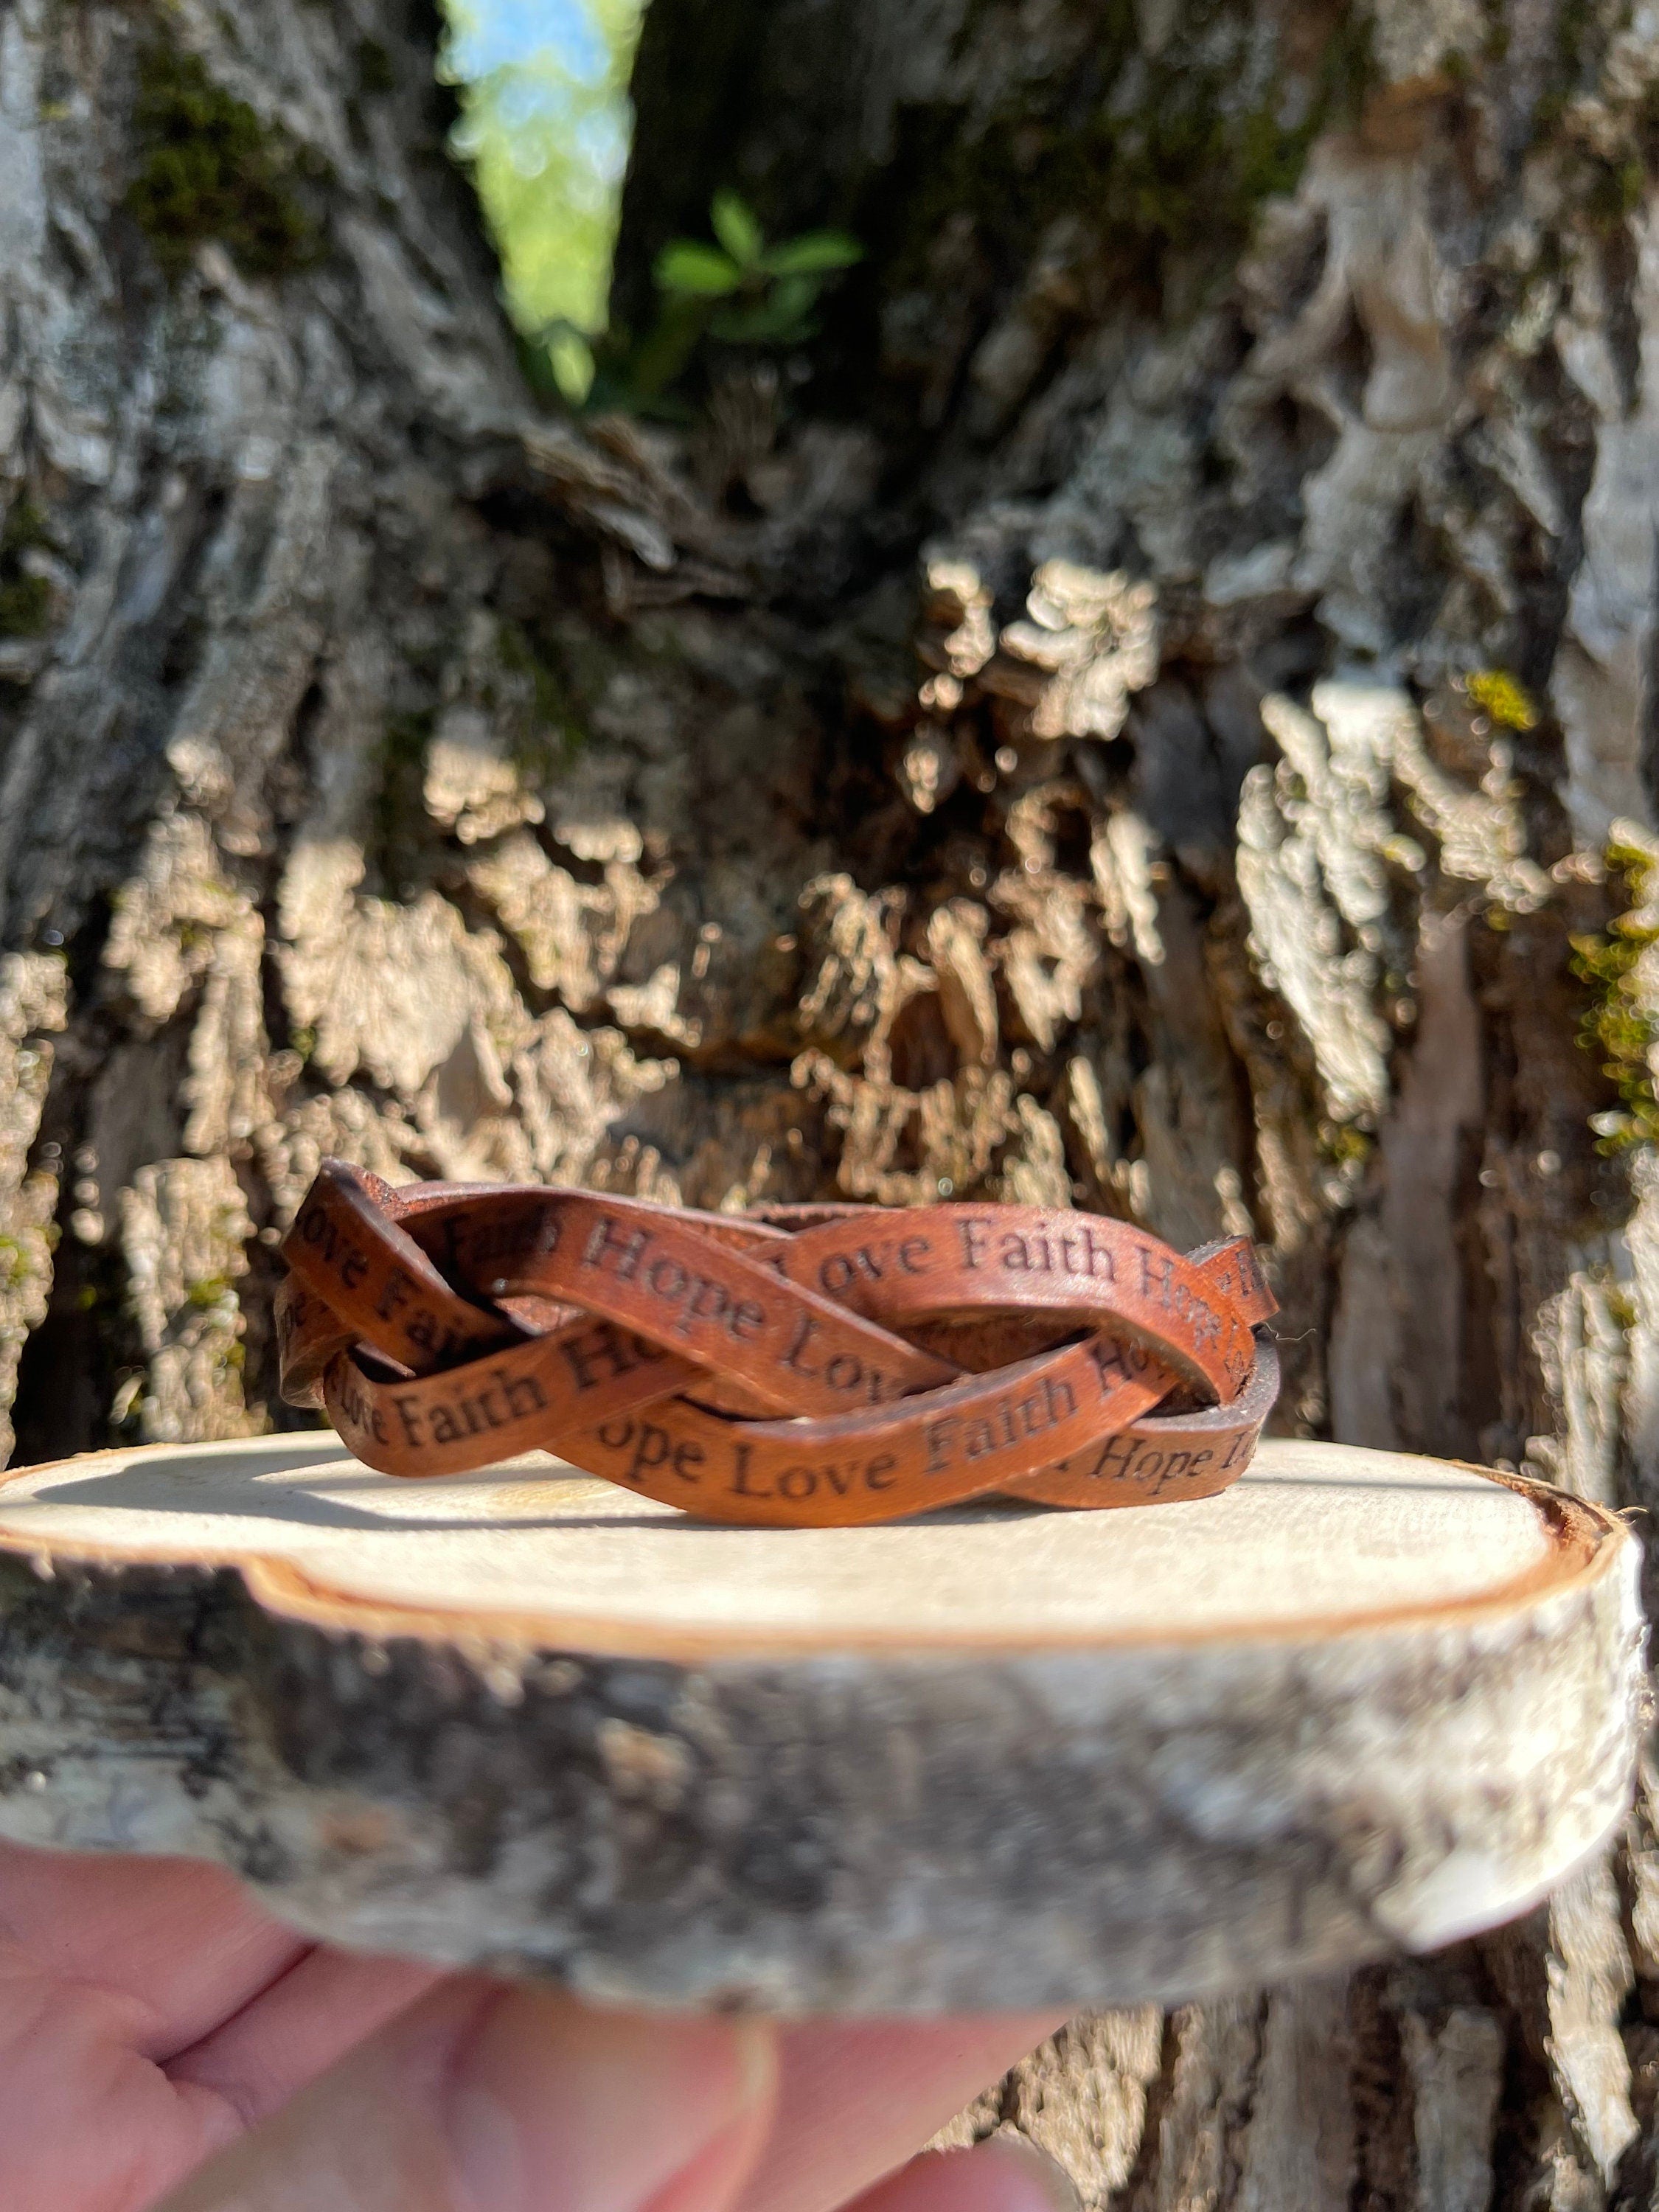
[1033,2177]
[554,2107]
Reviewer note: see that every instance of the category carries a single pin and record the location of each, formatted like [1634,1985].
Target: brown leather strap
[814,1366]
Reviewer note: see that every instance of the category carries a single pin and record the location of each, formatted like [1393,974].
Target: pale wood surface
[997,1756]
[1312,1536]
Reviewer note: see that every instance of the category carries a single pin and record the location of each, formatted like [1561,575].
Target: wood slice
[997,1757]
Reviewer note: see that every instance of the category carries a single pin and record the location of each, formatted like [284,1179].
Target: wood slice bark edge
[877,1830]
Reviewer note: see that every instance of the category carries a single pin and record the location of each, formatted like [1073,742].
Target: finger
[488,2098]
[176,1946]
[857,2099]
[1006,2174]
[107,1967]
[326,2002]
[86,2122]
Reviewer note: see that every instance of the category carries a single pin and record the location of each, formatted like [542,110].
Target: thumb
[488,2098]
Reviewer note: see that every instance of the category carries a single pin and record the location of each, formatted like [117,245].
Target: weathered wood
[296,859]
[994,1758]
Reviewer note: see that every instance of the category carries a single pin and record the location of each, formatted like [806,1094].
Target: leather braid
[798,1365]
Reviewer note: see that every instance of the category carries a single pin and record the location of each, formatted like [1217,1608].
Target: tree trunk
[1134,714]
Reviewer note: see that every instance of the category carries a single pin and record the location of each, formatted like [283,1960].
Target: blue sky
[490,32]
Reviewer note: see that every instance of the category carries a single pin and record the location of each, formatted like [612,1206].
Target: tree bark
[1249,419]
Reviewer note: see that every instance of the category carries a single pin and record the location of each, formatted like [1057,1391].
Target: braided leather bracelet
[799,1365]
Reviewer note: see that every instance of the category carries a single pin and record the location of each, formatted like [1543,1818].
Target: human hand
[165,2046]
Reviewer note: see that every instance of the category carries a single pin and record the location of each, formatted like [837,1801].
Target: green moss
[1603,188]
[555,732]
[1184,169]
[1614,191]
[1618,1027]
[532,708]
[1191,167]
[25,607]
[1344,1146]
[375,73]
[399,816]
[209,168]
[25,529]
[1503,698]
[25,599]
[1575,23]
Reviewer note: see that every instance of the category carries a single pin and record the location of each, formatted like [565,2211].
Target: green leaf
[737,229]
[791,297]
[815,253]
[701,270]
[782,319]
[745,326]
[662,354]
[571,359]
